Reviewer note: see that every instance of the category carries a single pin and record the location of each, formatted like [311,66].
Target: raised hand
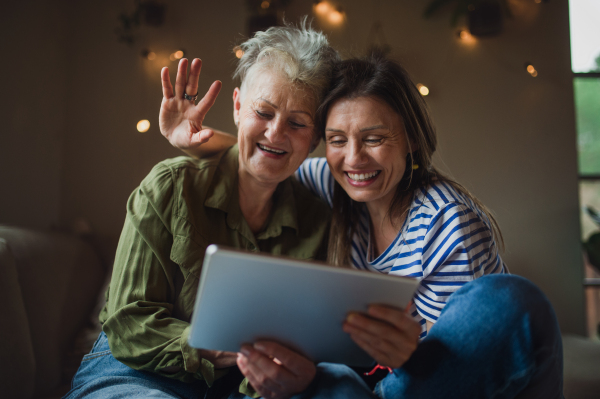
[180,119]
[388,335]
[275,372]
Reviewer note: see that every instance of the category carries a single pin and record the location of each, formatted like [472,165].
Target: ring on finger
[191,98]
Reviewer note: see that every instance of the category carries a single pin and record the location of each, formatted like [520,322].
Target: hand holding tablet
[245,297]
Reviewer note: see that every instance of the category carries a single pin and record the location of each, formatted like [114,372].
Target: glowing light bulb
[239,53]
[538,1]
[143,125]
[178,54]
[151,56]
[323,8]
[172,57]
[424,90]
[335,17]
[531,70]
[264,5]
[466,36]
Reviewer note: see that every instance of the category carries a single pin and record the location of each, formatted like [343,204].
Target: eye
[373,141]
[297,125]
[336,141]
[262,114]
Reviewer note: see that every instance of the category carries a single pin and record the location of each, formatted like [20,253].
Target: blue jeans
[101,376]
[497,337]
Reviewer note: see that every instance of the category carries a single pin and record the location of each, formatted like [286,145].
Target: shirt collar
[223,194]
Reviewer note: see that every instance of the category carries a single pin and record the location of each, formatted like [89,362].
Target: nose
[355,154]
[276,131]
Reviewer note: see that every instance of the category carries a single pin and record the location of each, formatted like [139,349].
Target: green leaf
[592,247]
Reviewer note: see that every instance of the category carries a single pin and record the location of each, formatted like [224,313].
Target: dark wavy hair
[384,79]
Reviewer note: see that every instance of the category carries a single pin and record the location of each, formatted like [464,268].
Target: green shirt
[179,209]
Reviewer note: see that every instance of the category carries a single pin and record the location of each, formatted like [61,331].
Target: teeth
[362,176]
[274,151]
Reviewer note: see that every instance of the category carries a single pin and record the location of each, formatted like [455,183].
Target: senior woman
[483,333]
[242,197]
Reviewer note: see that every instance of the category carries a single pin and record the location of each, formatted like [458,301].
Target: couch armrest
[16,351]
[59,276]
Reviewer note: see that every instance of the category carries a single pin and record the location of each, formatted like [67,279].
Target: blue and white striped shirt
[445,241]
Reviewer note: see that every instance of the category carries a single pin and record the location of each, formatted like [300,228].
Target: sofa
[52,287]
[49,285]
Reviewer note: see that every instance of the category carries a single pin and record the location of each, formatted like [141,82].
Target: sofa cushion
[18,363]
[59,276]
[582,367]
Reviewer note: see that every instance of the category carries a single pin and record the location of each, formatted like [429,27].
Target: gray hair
[300,53]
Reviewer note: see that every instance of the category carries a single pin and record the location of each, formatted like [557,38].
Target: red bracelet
[379,367]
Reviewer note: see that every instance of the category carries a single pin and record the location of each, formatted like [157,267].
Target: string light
[531,69]
[323,8]
[149,55]
[335,17]
[239,53]
[143,125]
[424,90]
[466,36]
[264,5]
[177,55]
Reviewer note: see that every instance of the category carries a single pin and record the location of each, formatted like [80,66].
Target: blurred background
[499,77]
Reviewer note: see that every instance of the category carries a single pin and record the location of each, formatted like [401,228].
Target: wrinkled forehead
[272,80]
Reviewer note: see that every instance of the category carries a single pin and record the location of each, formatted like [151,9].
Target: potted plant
[484,17]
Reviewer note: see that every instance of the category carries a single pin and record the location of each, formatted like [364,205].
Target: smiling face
[275,127]
[366,149]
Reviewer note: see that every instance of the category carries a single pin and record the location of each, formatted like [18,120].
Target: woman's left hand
[389,335]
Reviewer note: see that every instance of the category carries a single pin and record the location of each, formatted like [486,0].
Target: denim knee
[507,296]
[336,381]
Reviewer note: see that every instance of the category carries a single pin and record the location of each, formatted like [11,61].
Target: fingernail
[242,359]
[245,351]
[350,317]
[259,346]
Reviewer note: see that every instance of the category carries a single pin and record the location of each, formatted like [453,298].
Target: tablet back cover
[244,297]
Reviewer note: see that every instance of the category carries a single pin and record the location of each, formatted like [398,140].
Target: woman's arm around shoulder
[314,174]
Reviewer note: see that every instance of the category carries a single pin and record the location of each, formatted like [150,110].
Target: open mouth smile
[271,150]
[362,177]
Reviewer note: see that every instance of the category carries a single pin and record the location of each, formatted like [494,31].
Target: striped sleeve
[315,175]
[458,248]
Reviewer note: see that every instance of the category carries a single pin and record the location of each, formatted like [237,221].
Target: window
[585,63]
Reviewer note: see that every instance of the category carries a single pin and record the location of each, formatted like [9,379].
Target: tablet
[244,297]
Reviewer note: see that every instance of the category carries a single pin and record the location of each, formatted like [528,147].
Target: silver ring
[191,98]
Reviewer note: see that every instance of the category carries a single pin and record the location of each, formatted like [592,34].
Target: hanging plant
[484,17]
[592,245]
[148,12]
[264,14]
